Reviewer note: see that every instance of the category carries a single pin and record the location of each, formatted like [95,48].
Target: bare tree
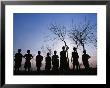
[59,31]
[49,49]
[46,49]
[83,33]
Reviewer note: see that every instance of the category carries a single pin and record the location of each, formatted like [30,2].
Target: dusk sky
[31,32]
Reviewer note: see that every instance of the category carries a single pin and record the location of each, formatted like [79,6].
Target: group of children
[64,60]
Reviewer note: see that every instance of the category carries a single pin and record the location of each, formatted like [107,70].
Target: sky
[31,31]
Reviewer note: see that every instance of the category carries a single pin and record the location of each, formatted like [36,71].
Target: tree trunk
[83,46]
[65,43]
[67,55]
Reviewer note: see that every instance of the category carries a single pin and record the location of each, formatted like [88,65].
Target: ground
[92,71]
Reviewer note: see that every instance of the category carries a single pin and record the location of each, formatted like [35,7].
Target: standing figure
[85,58]
[39,59]
[48,62]
[18,60]
[28,57]
[63,59]
[55,61]
[74,59]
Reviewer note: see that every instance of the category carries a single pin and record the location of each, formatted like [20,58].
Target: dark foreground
[92,71]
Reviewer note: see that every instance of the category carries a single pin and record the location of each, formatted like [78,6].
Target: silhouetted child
[55,61]
[63,59]
[39,59]
[28,57]
[48,62]
[85,58]
[18,60]
[74,59]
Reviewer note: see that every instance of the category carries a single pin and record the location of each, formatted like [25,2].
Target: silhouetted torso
[63,56]
[75,57]
[39,59]
[63,60]
[28,57]
[85,58]
[18,60]
[55,62]
[48,63]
